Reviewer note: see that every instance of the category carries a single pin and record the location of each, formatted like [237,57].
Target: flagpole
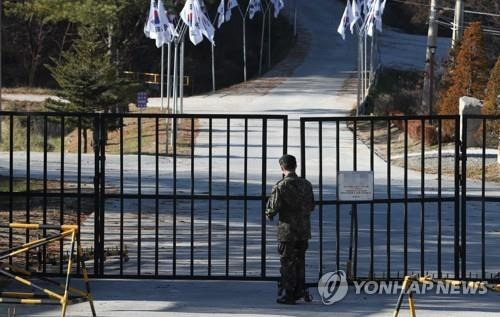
[181,76]
[244,18]
[175,85]
[161,79]
[269,39]
[359,73]
[169,83]
[213,56]
[262,40]
[295,20]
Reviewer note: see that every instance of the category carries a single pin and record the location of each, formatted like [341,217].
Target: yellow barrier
[48,296]
[408,280]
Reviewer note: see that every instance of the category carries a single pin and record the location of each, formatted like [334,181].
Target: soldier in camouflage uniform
[292,198]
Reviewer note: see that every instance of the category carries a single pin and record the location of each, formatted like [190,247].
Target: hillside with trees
[36,33]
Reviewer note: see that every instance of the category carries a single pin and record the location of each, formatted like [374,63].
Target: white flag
[367,5]
[158,27]
[278,5]
[345,22]
[221,11]
[374,18]
[230,5]
[206,26]
[189,16]
[254,6]
[356,13]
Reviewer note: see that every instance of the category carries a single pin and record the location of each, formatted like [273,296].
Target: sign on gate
[355,186]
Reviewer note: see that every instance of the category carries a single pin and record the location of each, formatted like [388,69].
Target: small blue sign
[142,99]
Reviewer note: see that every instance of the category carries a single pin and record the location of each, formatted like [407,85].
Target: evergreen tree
[492,100]
[88,80]
[468,76]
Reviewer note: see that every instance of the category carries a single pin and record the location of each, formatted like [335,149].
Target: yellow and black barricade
[67,295]
[408,280]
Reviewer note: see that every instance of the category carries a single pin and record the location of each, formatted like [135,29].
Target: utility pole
[458,23]
[429,61]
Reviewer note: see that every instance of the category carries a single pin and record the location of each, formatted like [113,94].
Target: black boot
[288,298]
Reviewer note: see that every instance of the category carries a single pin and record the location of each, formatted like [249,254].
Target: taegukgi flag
[345,22]
[356,13]
[278,5]
[375,18]
[158,27]
[254,6]
[231,4]
[221,11]
[192,14]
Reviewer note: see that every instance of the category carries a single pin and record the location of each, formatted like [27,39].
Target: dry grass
[147,137]
[29,91]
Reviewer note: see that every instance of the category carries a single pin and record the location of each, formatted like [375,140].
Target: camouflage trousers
[292,258]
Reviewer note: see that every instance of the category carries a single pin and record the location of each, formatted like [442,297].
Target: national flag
[374,18]
[345,22]
[231,4]
[278,5]
[356,13]
[254,6]
[207,28]
[158,27]
[190,16]
[221,11]
[198,23]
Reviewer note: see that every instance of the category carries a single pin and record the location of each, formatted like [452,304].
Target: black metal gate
[187,209]
[417,222]
[152,208]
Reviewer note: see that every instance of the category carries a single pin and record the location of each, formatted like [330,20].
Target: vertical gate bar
[263,199]
[11,178]
[245,202]
[337,206]
[302,148]
[45,149]
[320,143]
[422,198]
[192,200]
[440,171]
[355,206]
[28,181]
[285,135]
[79,191]
[61,197]
[483,205]
[210,196]
[372,216]
[463,220]
[174,189]
[405,229]
[389,207]
[96,192]
[121,195]
[102,141]
[157,191]
[139,194]
[228,153]
[458,185]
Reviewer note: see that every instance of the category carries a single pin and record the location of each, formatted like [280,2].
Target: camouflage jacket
[293,199]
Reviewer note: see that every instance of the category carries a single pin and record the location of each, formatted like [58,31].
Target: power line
[495,32]
[447,9]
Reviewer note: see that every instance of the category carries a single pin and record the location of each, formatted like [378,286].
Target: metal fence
[194,208]
[417,221]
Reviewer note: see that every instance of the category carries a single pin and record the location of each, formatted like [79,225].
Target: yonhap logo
[332,287]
